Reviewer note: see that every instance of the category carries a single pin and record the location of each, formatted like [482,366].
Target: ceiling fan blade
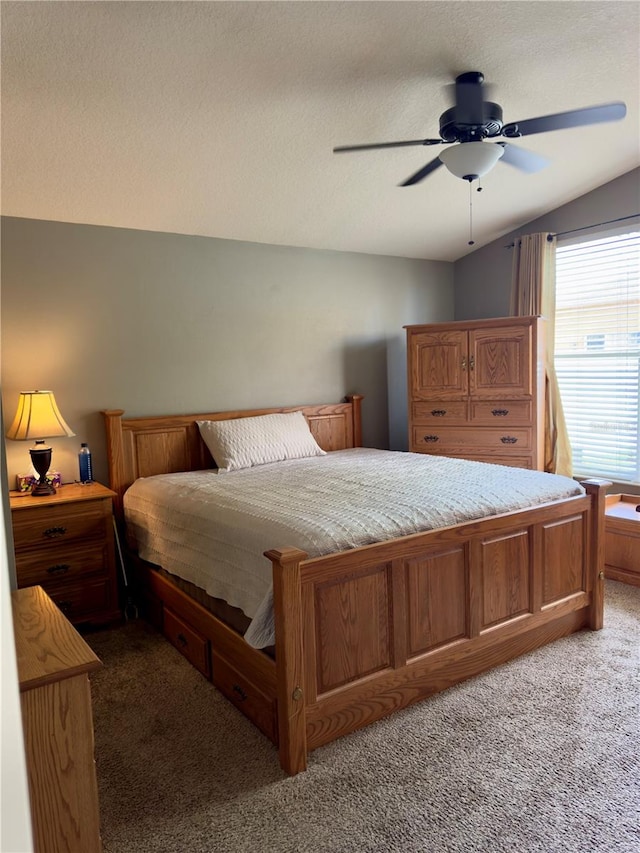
[526,161]
[372,145]
[573,118]
[469,98]
[422,173]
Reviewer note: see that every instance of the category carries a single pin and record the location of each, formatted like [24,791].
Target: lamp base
[41,459]
[42,488]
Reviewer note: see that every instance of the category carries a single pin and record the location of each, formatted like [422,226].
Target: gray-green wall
[158,323]
[483,278]
[163,323]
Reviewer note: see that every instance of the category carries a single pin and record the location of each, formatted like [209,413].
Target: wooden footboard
[365,632]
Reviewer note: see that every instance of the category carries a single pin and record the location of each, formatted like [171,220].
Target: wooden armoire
[476,390]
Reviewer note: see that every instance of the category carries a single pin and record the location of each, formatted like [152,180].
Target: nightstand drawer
[81,603]
[48,527]
[63,563]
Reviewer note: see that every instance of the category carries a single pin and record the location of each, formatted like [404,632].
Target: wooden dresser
[54,663]
[65,543]
[476,390]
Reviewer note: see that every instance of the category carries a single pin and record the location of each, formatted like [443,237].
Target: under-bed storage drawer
[253,703]
[189,642]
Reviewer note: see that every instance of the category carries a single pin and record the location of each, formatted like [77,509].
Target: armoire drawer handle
[240,692]
[499,413]
[438,413]
[60,569]
[431,438]
[508,439]
[54,532]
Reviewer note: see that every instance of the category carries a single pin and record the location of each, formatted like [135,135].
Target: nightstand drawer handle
[431,438]
[65,606]
[182,640]
[438,413]
[54,532]
[61,568]
[240,692]
[500,413]
[508,439]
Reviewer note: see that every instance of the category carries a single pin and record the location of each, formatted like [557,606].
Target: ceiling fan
[473,119]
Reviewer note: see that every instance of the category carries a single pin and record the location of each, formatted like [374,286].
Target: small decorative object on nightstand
[65,543]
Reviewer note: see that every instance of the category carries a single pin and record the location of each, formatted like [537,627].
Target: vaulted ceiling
[219,118]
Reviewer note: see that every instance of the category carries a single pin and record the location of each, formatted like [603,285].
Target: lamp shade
[37,416]
[471,160]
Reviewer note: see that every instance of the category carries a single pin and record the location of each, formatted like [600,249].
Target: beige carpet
[542,754]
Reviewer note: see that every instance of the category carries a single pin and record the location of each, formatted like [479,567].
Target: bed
[361,632]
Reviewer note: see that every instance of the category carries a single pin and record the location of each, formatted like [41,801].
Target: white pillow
[244,442]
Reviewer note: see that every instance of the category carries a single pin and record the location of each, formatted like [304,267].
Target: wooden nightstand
[65,543]
[54,663]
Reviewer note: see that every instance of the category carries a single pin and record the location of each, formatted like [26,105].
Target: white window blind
[597,353]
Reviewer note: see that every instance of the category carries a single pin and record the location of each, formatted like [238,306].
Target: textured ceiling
[219,118]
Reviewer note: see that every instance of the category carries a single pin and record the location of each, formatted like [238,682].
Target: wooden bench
[622,538]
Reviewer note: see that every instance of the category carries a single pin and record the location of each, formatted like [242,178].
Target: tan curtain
[534,292]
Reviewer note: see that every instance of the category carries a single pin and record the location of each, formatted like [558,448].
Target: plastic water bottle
[84,461]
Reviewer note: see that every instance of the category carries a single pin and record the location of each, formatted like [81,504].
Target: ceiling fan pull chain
[471,240]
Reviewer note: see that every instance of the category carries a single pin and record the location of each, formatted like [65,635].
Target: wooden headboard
[164,444]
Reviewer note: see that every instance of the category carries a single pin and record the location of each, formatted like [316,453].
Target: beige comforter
[212,529]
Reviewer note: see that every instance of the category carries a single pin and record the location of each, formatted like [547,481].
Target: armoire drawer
[438,412]
[514,461]
[501,413]
[459,439]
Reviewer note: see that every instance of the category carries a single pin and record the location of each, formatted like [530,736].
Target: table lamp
[38,418]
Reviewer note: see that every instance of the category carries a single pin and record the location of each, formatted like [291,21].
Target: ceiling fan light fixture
[471,160]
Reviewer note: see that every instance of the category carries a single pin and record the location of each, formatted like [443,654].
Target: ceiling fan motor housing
[453,130]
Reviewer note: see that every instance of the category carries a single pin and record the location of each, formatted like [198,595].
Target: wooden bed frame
[362,633]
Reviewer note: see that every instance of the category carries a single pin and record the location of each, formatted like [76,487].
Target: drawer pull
[60,569]
[54,532]
[182,640]
[431,438]
[508,439]
[239,692]
[500,413]
[65,606]
[438,413]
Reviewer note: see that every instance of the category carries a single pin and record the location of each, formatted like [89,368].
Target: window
[595,341]
[597,353]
